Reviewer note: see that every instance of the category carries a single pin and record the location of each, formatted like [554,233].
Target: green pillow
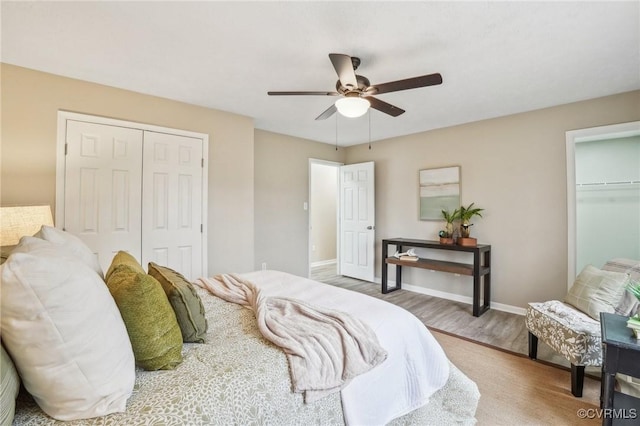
[123,258]
[185,303]
[151,323]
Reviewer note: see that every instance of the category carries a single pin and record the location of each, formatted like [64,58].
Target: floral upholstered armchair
[572,327]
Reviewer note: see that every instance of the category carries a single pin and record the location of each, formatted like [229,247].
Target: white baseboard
[455,297]
[323,262]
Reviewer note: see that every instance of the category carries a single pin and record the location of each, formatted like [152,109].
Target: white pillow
[595,291]
[73,243]
[64,333]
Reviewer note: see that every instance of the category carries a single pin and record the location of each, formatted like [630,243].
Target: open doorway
[323,217]
[603,195]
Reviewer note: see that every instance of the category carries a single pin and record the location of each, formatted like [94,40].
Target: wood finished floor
[495,328]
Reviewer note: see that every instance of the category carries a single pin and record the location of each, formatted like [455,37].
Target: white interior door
[103,186]
[357,221]
[172,202]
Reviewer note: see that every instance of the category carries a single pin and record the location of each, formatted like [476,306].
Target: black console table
[480,269]
[620,354]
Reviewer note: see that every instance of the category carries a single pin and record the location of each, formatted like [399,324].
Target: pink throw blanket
[325,348]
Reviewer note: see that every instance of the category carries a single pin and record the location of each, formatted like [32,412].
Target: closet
[133,187]
[607,189]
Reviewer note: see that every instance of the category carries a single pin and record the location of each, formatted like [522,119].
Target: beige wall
[31,101]
[515,168]
[323,206]
[281,189]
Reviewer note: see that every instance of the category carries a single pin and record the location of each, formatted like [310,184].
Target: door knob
[369,227]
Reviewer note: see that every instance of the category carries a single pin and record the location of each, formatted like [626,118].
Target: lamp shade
[16,222]
[352,106]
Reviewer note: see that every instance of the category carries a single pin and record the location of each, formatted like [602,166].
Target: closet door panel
[172,202]
[103,188]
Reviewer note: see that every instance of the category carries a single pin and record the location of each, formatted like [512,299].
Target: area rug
[518,391]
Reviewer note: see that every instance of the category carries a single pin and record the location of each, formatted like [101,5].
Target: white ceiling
[496,58]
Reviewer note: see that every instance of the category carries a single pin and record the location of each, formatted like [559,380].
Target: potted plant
[465,215]
[446,235]
[634,320]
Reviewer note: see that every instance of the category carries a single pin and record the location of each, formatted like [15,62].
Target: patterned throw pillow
[596,291]
[151,323]
[185,302]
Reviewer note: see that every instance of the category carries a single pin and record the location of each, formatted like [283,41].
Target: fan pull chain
[336,132]
[369,129]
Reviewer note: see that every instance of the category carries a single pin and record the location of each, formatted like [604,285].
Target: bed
[238,377]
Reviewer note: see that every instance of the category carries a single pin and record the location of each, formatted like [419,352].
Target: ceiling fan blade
[303,93]
[385,107]
[409,83]
[344,68]
[327,113]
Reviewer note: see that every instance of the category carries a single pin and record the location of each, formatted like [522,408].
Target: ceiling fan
[357,92]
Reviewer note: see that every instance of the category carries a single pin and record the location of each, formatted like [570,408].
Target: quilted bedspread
[239,378]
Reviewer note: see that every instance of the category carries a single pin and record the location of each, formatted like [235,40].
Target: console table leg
[476,284]
[487,281]
[399,272]
[398,277]
[476,296]
[385,268]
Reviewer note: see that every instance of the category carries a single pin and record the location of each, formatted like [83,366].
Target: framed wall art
[439,190]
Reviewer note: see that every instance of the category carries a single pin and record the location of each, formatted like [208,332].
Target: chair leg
[577,380]
[533,346]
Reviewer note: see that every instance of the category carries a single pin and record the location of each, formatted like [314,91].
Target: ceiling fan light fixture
[352,106]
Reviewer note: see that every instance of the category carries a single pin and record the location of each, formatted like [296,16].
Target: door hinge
[202,163]
[66,146]
[201,228]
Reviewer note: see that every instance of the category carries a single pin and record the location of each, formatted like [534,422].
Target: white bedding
[416,366]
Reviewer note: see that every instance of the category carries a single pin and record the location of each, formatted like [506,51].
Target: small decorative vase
[444,240]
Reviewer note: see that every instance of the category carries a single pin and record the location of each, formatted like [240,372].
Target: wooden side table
[620,354]
[480,269]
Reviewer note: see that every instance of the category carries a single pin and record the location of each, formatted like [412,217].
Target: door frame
[337,165]
[64,116]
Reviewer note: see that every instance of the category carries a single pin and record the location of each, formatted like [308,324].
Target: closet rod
[628,182]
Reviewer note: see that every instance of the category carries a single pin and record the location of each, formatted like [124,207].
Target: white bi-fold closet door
[137,188]
[172,202]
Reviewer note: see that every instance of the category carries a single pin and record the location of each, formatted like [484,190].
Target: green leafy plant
[465,215]
[449,219]
[634,288]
